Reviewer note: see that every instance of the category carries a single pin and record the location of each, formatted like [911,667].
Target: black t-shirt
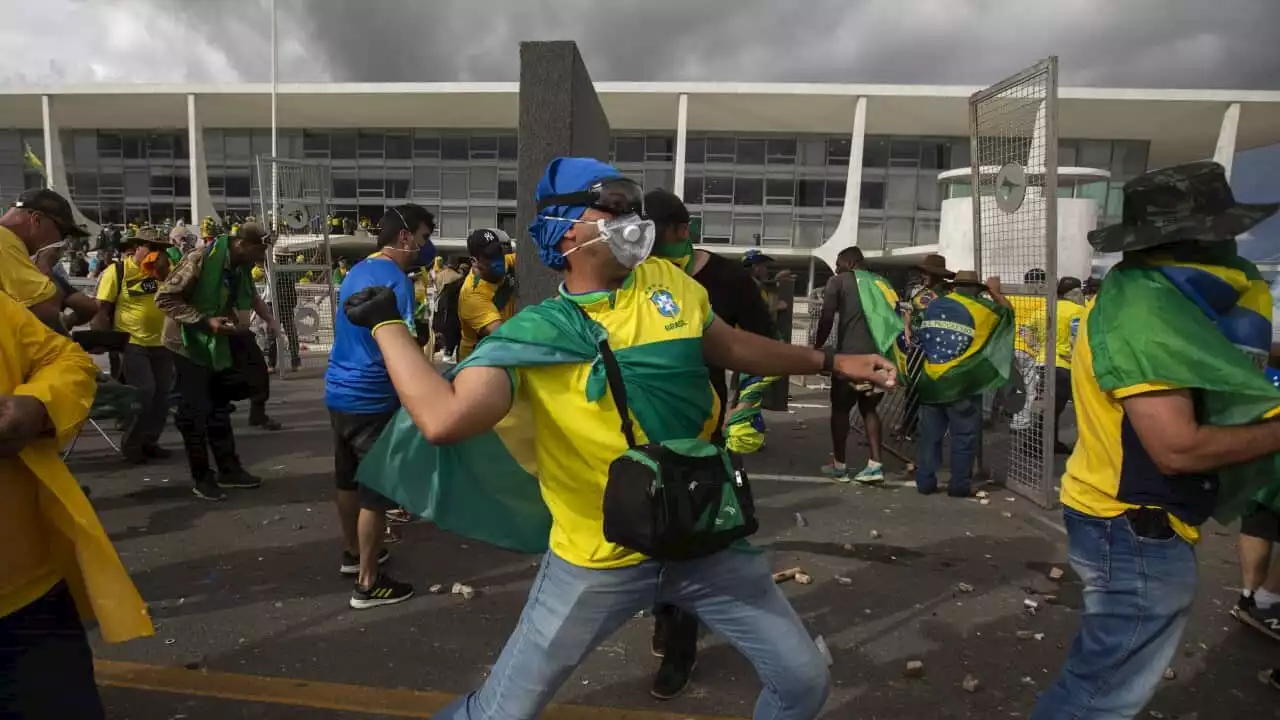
[735,299]
[853,335]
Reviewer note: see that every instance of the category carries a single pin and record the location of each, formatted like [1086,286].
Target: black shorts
[1261,522]
[353,438]
[845,393]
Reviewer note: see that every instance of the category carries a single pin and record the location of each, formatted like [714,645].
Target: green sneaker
[835,473]
[870,475]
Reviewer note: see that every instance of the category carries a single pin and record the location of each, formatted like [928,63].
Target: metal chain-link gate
[299,268]
[1014,149]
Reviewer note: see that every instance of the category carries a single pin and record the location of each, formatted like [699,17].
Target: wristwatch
[828,360]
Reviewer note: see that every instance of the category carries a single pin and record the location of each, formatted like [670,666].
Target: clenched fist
[371,306]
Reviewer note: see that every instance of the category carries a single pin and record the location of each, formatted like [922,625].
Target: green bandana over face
[679,253]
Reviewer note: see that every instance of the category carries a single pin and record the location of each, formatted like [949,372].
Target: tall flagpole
[273,221]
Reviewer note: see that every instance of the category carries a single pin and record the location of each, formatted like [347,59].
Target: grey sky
[1130,43]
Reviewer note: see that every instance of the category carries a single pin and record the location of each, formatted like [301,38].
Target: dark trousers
[1061,396]
[46,667]
[150,371]
[204,418]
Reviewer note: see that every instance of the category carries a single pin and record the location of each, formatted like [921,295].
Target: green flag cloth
[1203,326]
[968,347]
[880,308]
[220,288]
[486,487]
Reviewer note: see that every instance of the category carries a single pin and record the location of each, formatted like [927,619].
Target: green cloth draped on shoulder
[880,308]
[1143,329]
[213,297]
[486,487]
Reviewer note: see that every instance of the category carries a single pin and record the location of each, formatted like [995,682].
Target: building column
[55,170]
[201,201]
[813,263]
[682,133]
[846,234]
[1225,151]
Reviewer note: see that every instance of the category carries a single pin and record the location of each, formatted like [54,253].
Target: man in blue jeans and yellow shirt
[1169,338]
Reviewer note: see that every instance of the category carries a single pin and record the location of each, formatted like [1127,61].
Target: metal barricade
[293,200]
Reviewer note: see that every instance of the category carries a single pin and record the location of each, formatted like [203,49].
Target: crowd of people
[622,391]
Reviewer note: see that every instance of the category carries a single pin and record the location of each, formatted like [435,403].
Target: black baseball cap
[53,206]
[486,242]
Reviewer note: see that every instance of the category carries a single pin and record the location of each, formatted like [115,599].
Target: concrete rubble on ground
[1056,573]
[964,587]
[788,574]
[970,684]
[914,669]
[875,534]
[466,591]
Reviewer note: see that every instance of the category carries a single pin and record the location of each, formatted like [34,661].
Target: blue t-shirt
[357,381]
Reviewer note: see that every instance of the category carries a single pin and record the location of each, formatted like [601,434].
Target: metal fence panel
[299,264]
[1014,143]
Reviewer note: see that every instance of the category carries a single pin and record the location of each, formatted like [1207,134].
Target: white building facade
[797,170]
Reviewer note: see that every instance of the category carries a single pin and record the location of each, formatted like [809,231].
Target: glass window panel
[872,195]
[87,146]
[508,148]
[926,231]
[1096,191]
[808,233]
[161,212]
[695,150]
[928,194]
[507,189]
[718,189]
[85,183]
[453,224]
[342,145]
[716,224]
[1067,153]
[813,152]
[780,191]
[181,186]
[781,150]
[218,185]
[746,230]
[835,192]
[777,225]
[370,144]
[1115,201]
[902,191]
[830,222]
[344,185]
[750,152]
[484,147]
[261,142]
[659,147]
[959,153]
[426,147]
[484,182]
[454,185]
[161,184]
[397,188]
[875,151]
[134,146]
[628,149]
[810,193]
[898,232]
[1095,154]
[654,179]
[455,147]
[237,184]
[315,144]
[160,146]
[838,151]
[870,234]
[507,223]
[1129,159]
[426,180]
[137,183]
[748,191]
[934,155]
[483,217]
[238,146]
[693,189]
[904,153]
[399,146]
[720,149]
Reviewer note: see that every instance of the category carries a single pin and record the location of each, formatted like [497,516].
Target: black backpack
[447,322]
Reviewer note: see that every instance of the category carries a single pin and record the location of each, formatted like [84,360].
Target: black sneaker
[156,452]
[239,479]
[208,490]
[1266,621]
[351,563]
[1243,605]
[658,644]
[266,423]
[383,591]
[673,677]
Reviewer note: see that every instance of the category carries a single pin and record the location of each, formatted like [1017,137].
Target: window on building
[1128,159]
[719,189]
[835,192]
[217,185]
[137,183]
[747,190]
[238,146]
[810,193]
[720,149]
[751,152]
[160,146]
[926,231]
[508,148]
[628,149]
[507,223]
[746,230]
[901,194]
[875,151]
[1095,154]
[808,232]
[84,183]
[343,145]
[399,146]
[482,217]
[781,151]
[928,194]
[717,227]
[959,153]
[872,195]
[315,144]
[454,184]
[261,143]
[371,186]
[426,181]
[898,232]
[86,148]
[780,191]
[484,147]
[181,186]
[1067,153]
[813,151]
[837,151]
[238,184]
[455,147]
[344,184]
[397,188]
[370,145]
[453,224]
[426,146]
[134,146]
[777,225]
[507,187]
[161,184]
[693,189]
[871,234]
[659,148]
[695,150]
[904,153]
[654,179]
[484,181]
[161,212]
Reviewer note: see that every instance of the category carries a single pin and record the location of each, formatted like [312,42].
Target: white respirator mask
[629,237]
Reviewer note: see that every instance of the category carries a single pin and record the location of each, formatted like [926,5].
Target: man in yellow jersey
[1152,455]
[1030,320]
[1070,313]
[487,296]
[127,303]
[589,227]
[56,563]
[38,220]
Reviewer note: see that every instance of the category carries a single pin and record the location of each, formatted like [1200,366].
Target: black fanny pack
[672,500]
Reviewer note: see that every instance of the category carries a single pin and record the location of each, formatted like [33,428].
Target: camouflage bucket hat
[1183,203]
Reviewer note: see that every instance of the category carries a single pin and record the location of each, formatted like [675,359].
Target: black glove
[371,306]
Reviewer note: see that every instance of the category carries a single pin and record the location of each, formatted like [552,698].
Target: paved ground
[253,622]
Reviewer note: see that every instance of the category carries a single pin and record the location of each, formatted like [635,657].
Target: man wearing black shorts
[362,401]
[854,336]
[1259,603]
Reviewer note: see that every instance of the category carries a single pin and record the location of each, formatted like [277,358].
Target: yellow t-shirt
[576,440]
[136,312]
[19,278]
[1030,319]
[1070,314]
[480,303]
[1096,473]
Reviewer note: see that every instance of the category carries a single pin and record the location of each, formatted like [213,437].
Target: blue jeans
[1137,596]
[964,418]
[572,609]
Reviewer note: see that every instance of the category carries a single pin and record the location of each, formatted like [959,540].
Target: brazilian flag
[1200,321]
[968,347]
[880,307]
[486,487]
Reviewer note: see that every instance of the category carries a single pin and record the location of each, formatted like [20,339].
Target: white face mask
[630,239]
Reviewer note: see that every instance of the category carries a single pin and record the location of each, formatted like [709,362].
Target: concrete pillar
[813,273]
[201,201]
[560,114]
[846,233]
[55,169]
[1225,150]
[682,132]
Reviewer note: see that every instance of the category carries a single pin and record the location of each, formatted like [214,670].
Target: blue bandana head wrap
[563,175]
